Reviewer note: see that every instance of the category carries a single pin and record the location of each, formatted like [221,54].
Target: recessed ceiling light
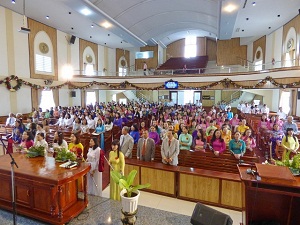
[106,24]
[70,13]
[230,8]
[243,30]
[247,18]
[13,1]
[92,26]
[108,34]
[47,17]
[278,15]
[253,3]
[121,42]
[72,28]
[86,11]
[269,27]
[105,43]
[90,36]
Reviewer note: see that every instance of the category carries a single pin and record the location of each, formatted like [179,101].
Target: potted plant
[130,193]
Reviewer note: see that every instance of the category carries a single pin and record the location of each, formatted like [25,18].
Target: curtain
[56,96]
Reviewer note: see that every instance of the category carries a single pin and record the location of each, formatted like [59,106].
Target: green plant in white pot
[130,192]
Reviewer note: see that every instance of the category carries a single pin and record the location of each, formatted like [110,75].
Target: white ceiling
[136,23]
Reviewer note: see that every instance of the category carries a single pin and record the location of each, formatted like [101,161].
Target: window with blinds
[43,63]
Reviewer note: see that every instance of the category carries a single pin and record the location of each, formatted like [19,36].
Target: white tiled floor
[176,205]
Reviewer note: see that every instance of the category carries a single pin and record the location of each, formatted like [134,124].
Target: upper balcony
[279,74]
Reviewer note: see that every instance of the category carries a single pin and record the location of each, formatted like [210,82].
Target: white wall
[250,52]
[100,59]
[112,61]
[75,55]
[4,101]
[62,53]
[75,101]
[23,103]
[273,40]
[103,96]
[64,97]
[21,53]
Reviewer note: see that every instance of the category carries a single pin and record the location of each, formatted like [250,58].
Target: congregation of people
[174,128]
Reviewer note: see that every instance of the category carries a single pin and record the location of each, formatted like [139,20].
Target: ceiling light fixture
[278,15]
[47,17]
[13,1]
[253,3]
[230,8]
[86,11]
[90,36]
[247,18]
[92,26]
[105,24]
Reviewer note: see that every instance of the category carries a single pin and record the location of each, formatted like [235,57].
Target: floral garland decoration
[8,84]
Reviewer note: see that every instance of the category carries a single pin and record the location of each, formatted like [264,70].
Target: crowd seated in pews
[213,131]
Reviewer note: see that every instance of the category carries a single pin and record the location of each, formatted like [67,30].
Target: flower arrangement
[64,155]
[35,151]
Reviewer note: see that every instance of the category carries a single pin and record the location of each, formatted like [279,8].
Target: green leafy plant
[126,182]
[294,163]
[64,155]
[35,151]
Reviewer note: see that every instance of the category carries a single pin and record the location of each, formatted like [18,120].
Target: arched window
[89,62]
[43,54]
[122,66]
[258,61]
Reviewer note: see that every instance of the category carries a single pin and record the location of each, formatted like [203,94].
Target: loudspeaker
[73,94]
[298,95]
[72,39]
[203,215]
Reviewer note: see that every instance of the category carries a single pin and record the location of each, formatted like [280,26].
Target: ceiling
[135,23]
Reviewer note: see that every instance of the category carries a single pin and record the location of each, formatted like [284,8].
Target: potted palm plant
[130,193]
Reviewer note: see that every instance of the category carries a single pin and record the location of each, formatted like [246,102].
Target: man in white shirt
[240,106]
[281,114]
[246,109]
[265,109]
[10,121]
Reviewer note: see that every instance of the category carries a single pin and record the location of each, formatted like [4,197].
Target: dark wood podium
[271,198]
[44,190]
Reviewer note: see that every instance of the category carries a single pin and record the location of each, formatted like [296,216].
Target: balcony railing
[244,68]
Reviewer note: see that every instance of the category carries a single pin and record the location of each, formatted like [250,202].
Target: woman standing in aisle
[290,142]
[117,162]
[100,130]
[95,156]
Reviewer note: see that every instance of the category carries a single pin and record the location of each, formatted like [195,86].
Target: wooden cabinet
[43,190]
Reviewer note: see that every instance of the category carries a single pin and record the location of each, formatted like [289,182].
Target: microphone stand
[12,163]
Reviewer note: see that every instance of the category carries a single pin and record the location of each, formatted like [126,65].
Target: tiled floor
[172,205]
